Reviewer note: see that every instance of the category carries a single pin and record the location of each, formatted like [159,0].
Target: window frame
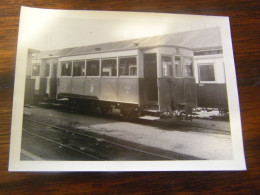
[66,76]
[84,68]
[112,58]
[172,66]
[99,65]
[127,76]
[192,67]
[199,74]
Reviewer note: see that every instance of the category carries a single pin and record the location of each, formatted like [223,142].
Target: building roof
[202,39]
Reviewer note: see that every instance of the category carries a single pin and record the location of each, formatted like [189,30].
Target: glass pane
[66,68]
[36,70]
[79,68]
[178,66]
[167,66]
[93,68]
[188,72]
[133,70]
[207,73]
[127,66]
[109,67]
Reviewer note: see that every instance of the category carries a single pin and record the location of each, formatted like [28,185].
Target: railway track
[188,126]
[60,145]
[92,146]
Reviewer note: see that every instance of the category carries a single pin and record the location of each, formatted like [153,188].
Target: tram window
[36,70]
[188,72]
[127,66]
[66,68]
[177,65]
[93,68]
[206,72]
[109,67]
[79,68]
[166,66]
[47,70]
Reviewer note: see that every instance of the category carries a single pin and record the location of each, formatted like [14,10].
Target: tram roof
[203,39]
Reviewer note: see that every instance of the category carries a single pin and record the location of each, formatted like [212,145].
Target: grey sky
[43,30]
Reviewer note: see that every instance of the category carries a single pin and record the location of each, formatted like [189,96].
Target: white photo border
[15,164]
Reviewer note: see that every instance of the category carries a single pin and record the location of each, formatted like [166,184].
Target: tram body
[133,80]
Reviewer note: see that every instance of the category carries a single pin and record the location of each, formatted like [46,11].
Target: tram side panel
[212,96]
[64,87]
[108,89]
[190,94]
[166,94]
[92,88]
[122,90]
[29,91]
[128,90]
[77,86]
[177,93]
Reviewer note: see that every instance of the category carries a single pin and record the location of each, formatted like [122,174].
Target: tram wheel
[128,115]
[104,109]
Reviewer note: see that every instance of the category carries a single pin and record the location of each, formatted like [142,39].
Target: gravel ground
[198,144]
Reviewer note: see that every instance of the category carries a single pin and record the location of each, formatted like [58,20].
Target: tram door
[52,83]
[150,78]
[49,81]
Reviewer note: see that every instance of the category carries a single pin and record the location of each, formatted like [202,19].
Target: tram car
[153,75]
[210,79]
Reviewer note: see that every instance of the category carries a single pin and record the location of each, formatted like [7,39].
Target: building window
[93,68]
[167,66]
[66,68]
[188,71]
[206,72]
[36,70]
[109,67]
[127,66]
[47,70]
[177,65]
[79,68]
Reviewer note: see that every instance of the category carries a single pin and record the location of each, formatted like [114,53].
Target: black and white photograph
[124,91]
